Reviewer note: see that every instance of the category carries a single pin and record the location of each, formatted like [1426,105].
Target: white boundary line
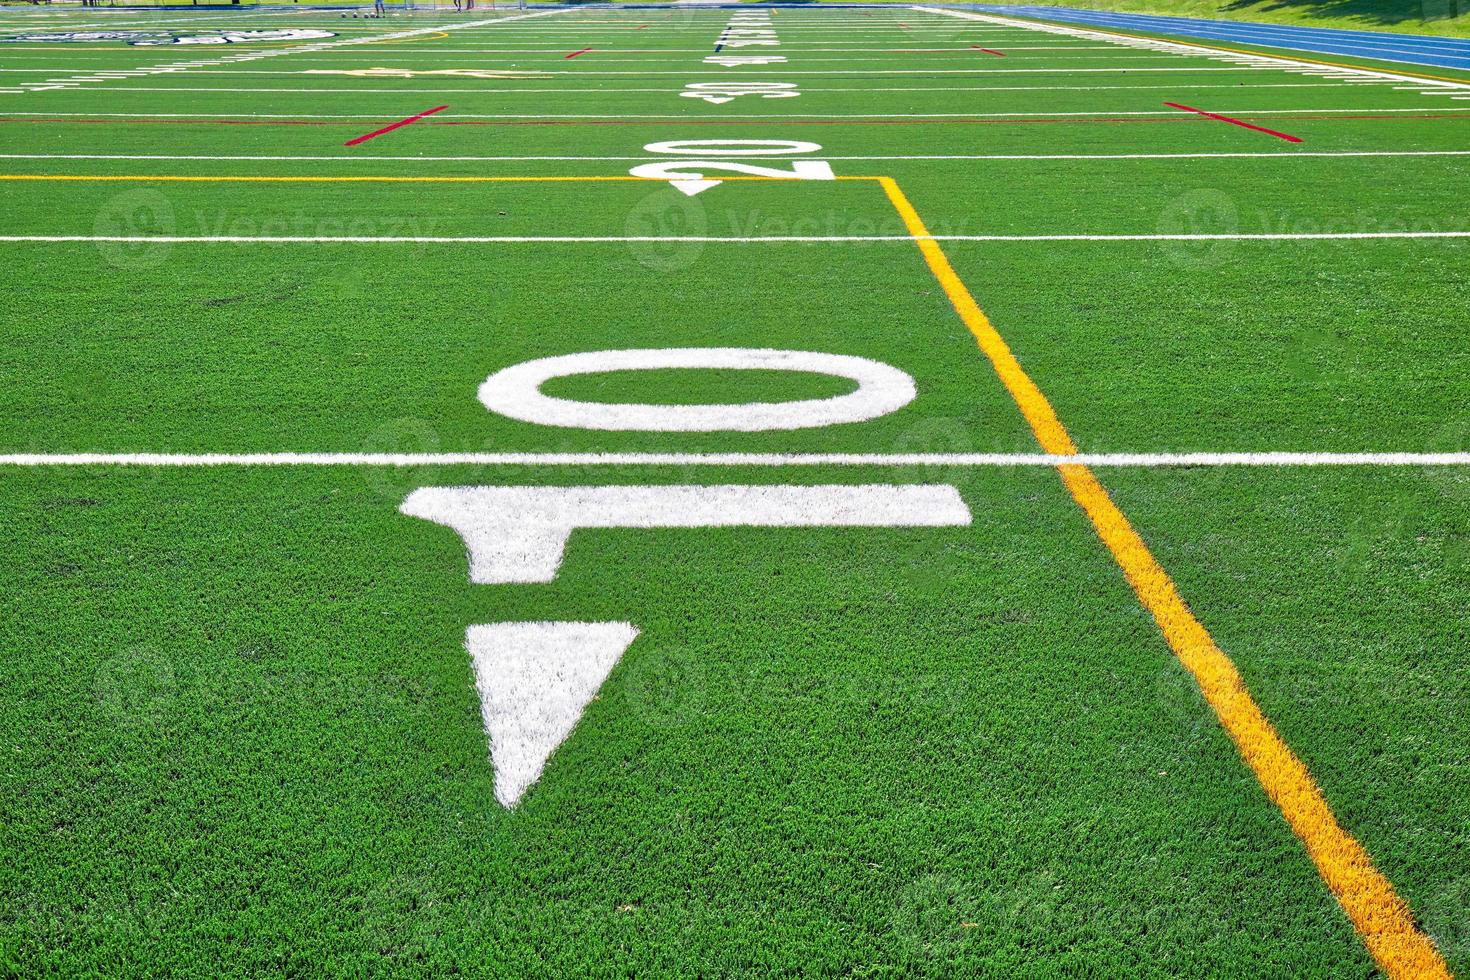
[1170,113]
[1280,154]
[1146,460]
[864,90]
[707,239]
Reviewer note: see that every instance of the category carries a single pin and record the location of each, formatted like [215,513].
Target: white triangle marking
[692,187]
[535,680]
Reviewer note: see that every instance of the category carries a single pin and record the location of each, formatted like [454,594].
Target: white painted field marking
[733,115]
[515,391]
[745,60]
[37,51]
[256,54]
[732,147]
[931,55]
[566,90]
[1243,59]
[718,93]
[520,534]
[534,681]
[588,73]
[692,176]
[713,239]
[1002,460]
[359,158]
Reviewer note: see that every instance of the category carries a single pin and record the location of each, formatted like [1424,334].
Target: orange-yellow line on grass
[290,179]
[1380,916]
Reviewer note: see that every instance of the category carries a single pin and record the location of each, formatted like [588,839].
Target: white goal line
[710,239]
[359,158]
[1140,460]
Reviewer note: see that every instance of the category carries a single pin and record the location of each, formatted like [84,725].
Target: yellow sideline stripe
[277,179]
[1033,404]
[1381,917]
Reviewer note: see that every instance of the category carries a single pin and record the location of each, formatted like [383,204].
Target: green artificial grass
[242,731]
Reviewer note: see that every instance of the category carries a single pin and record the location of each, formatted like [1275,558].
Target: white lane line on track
[1245,58]
[1290,33]
[1144,460]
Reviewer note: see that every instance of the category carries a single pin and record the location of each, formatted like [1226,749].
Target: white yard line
[51,49]
[564,90]
[590,73]
[1141,460]
[360,158]
[1172,113]
[554,58]
[707,239]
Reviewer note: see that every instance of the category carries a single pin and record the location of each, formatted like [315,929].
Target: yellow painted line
[1174,39]
[281,179]
[1033,404]
[1380,916]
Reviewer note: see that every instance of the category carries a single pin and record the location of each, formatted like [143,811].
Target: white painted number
[698,169]
[722,92]
[520,534]
[536,678]
[688,175]
[515,392]
[733,148]
[741,60]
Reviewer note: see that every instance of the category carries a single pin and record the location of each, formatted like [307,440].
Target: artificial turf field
[244,735]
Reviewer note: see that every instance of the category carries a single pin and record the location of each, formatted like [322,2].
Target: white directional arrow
[535,680]
[692,187]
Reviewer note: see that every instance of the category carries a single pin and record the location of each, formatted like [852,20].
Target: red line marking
[575,53]
[392,126]
[1236,122]
[998,54]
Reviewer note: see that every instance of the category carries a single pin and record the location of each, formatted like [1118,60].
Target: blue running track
[1417,49]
